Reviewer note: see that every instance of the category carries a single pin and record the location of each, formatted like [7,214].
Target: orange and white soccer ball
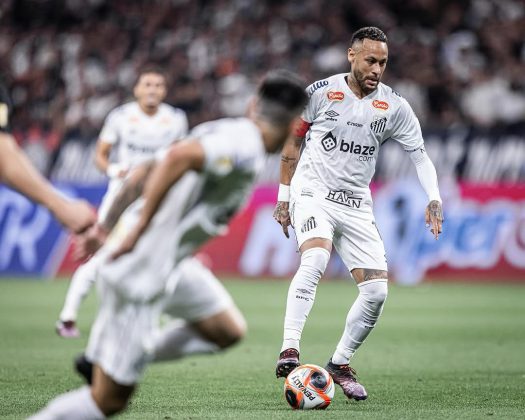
[309,387]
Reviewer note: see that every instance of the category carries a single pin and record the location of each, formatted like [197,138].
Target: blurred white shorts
[123,329]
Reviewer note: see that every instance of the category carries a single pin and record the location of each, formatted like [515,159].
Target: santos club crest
[379,124]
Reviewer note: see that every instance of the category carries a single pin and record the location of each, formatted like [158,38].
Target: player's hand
[91,241]
[127,245]
[434,218]
[117,170]
[76,215]
[282,215]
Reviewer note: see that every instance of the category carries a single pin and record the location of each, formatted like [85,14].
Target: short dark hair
[369,32]
[282,96]
[151,68]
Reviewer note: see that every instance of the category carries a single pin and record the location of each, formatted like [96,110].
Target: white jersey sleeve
[109,132]
[406,129]
[314,102]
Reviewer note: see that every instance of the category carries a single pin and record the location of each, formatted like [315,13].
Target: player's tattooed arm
[282,215]
[289,164]
[289,160]
[434,217]
[131,190]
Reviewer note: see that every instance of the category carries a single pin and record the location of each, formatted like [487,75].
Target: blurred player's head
[280,100]
[150,89]
[368,54]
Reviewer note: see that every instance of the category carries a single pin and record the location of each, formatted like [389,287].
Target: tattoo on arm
[291,164]
[130,191]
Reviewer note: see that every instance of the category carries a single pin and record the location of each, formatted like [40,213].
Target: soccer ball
[309,387]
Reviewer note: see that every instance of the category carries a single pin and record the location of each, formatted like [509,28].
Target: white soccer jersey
[343,141]
[196,208]
[137,136]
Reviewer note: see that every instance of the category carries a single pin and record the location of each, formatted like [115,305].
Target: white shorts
[122,332]
[120,335]
[197,295]
[353,233]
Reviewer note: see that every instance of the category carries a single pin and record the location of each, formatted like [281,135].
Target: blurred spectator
[70,61]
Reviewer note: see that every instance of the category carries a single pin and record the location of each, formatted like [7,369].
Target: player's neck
[148,110]
[354,86]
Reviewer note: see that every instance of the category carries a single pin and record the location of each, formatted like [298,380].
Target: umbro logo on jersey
[344,197]
[331,114]
[378,125]
[309,225]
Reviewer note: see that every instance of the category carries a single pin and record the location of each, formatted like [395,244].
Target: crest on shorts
[309,225]
[378,125]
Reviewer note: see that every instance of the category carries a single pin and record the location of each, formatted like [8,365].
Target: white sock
[77,404]
[178,339]
[81,283]
[361,319]
[301,294]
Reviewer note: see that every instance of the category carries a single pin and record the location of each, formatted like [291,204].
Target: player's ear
[351,55]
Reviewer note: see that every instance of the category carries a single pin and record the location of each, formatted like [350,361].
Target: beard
[361,79]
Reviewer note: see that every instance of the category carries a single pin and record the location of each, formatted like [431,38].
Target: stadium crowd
[67,63]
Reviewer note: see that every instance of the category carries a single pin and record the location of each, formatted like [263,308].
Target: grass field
[440,351]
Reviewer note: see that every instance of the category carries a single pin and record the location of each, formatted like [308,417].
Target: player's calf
[110,396]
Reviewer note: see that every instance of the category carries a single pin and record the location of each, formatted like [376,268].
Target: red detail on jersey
[380,104]
[335,96]
[301,128]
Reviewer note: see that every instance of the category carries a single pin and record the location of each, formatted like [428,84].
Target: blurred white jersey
[196,208]
[343,141]
[137,137]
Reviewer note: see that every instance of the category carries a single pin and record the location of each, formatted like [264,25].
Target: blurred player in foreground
[17,171]
[325,196]
[189,197]
[137,130]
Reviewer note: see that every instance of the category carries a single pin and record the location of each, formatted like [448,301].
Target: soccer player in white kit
[133,133]
[189,196]
[325,196]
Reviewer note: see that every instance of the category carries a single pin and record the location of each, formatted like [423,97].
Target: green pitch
[439,351]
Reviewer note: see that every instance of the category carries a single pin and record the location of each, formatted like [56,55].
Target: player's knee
[233,333]
[314,262]
[376,292]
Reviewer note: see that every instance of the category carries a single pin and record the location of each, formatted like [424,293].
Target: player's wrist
[284,193]
[115,170]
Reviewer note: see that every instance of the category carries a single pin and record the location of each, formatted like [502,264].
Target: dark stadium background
[460,64]
[452,347]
